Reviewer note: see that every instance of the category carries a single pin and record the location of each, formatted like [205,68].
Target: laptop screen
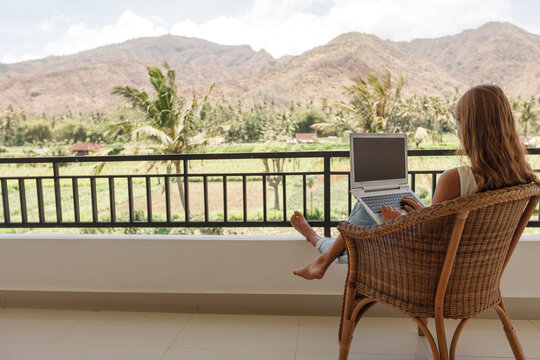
[379,158]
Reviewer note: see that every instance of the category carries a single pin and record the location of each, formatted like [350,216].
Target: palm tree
[528,115]
[167,124]
[373,107]
[341,121]
[373,102]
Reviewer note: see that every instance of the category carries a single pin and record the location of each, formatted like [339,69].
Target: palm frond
[98,168]
[179,130]
[199,139]
[156,78]
[154,133]
[137,99]
[346,107]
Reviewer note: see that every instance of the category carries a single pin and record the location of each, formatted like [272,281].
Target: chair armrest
[460,204]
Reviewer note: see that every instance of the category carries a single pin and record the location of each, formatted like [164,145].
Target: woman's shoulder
[452,175]
[448,186]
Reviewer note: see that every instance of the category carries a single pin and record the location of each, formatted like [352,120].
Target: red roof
[85,147]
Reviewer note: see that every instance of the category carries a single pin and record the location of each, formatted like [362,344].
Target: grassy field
[254,196]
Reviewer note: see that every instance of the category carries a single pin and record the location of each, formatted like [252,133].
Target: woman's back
[467,183]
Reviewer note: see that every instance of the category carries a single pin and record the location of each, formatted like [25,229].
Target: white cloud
[11,58]
[279,26]
[51,23]
[288,27]
[410,19]
[80,36]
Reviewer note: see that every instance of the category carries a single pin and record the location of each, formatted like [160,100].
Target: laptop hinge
[380,188]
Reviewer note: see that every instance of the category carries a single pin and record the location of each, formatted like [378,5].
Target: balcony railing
[15,191]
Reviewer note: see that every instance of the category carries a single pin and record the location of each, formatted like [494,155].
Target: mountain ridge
[499,53]
[483,55]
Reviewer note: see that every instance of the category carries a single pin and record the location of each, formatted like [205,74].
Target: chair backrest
[400,263]
[473,285]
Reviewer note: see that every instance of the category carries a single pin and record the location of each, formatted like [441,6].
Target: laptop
[379,172]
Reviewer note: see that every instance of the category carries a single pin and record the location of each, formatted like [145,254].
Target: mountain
[84,81]
[498,53]
[324,70]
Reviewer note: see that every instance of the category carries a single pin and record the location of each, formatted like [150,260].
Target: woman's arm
[448,187]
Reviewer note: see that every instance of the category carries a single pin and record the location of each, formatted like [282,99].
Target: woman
[487,131]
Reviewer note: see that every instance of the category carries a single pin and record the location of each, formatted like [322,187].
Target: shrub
[37,131]
[309,117]
[71,131]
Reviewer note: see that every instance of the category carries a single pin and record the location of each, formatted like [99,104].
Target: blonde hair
[490,139]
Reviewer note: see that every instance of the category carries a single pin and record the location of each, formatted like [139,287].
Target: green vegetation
[527,115]
[166,126]
[150,121]
[164,122]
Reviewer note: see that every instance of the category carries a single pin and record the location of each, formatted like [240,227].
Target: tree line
[163,121]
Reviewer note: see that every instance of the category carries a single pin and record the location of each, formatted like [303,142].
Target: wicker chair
[443,261]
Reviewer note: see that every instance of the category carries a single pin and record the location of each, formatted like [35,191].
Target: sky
[32,29]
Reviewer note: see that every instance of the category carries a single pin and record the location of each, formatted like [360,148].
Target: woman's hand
[389,213]
[413,204]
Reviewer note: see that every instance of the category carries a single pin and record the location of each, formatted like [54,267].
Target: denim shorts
[357,217]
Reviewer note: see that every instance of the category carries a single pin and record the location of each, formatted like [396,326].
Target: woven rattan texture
[399,263]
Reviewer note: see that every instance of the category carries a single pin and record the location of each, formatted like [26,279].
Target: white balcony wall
[163,264]
[194,265]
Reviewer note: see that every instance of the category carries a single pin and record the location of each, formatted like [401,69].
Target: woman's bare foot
[314,269]
[298,221]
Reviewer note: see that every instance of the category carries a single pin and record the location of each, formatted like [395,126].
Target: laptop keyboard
[393,200]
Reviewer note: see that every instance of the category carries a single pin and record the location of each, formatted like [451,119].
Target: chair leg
[422,327]
[455,337]
[441,337]
[425,322]
[344,350]
[348,326]
[347,329]
[510,332]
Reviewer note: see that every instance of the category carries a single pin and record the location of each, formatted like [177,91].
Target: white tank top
[466,180]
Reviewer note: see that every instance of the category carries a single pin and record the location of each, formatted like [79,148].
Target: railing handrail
[215,156]
[164,157]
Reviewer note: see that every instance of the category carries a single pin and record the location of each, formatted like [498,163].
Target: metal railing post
[5,201]
[327,221]
[186,190]
[57,196]
[22,199]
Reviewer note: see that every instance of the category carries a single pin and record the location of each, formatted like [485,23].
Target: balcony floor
[105,335]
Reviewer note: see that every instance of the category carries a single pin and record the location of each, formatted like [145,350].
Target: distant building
[305,137]
[39,151]
[82,149]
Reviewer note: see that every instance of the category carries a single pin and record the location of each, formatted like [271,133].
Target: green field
[254,197]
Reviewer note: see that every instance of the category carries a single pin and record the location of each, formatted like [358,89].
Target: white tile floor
[87,335]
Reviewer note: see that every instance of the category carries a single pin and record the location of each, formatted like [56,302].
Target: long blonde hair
[490,139]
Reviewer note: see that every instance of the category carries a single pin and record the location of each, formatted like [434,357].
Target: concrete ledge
[161,264]
[209,274]
[253,304]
